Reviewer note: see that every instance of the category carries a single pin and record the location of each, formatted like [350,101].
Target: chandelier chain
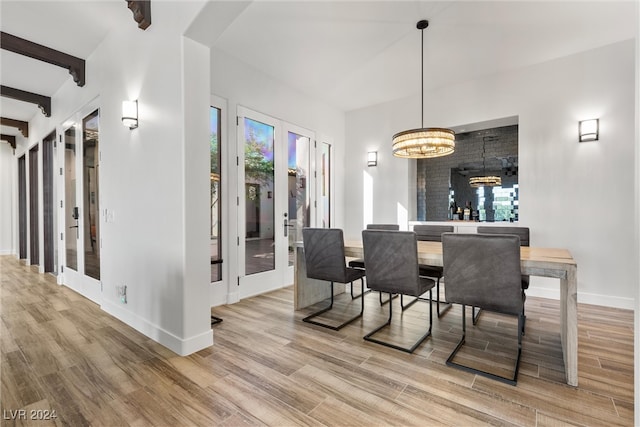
[422,79]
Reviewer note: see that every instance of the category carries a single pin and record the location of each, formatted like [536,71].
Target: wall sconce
[589,130]
[372,158]
[130,114]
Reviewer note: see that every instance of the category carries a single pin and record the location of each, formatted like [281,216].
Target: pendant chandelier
[424,142]
[484,180]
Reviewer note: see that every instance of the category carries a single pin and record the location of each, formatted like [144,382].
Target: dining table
[534,261]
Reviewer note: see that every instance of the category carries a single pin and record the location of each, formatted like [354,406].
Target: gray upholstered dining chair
[483,271]
[391,258]
[433,233]
[523,234]
[359,262]
[325,260]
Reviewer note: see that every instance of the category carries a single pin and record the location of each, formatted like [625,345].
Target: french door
[80,208]
[274,196]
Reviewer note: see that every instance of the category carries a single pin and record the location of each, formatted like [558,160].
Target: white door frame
[78,281]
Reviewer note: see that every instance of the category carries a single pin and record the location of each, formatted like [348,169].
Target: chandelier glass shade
[423,143]
[485,181]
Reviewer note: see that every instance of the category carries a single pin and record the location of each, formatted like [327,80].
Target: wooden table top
[431,253]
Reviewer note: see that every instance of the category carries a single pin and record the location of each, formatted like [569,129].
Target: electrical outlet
[122,293]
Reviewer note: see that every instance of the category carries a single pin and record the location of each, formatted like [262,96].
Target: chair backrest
[522,232]
[391,227]
[391,258]
[431,233]
[324,254]
[483,270]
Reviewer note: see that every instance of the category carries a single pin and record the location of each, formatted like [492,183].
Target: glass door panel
[262,204]
[259,196]
[216,201]
[299,147]
[90,177]
[71,209]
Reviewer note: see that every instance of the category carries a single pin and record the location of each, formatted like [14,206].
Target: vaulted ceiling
[349,54]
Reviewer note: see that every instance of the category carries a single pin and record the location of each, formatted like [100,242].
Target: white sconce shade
[130,114]
[372,158]
[589,130]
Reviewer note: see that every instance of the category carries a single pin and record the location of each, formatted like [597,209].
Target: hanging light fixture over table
[423,142]
[484,180]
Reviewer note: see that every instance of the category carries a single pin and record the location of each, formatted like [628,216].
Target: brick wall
[436,177]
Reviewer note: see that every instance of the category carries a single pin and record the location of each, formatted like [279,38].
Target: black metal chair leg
[404,307]
[309,318]
[524,318]
[508,380]
[361,293]
[387,301]
[368,337]
[475,316]
[446,305]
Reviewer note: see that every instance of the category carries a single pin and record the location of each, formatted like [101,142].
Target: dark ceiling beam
[141,10]
[23,127]
[10,139]
[44,102]
[42,53]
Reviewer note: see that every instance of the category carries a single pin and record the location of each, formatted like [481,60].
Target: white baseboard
[6,252]
[585,298]
[182,347]
[218,294]
[233,298]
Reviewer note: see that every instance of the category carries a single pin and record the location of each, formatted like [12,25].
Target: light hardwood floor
[61,352]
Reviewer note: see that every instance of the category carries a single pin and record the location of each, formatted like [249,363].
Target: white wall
[157,243]
[637,226]
[576,196]
[242,85]
[8,185]
[152,244]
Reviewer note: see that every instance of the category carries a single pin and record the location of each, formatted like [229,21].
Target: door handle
[73,226]
[286,227]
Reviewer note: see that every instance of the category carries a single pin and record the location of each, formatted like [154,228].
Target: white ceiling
[350,54]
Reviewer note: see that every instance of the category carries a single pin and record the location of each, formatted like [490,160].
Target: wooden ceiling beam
[23,127]
[141,10]
[11,139]
[44,102]
[33,50]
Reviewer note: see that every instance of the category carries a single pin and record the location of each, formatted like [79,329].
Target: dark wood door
[34,241]
[22,207]
[48,203]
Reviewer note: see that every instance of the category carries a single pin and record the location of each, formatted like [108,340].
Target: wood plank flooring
[60,352]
